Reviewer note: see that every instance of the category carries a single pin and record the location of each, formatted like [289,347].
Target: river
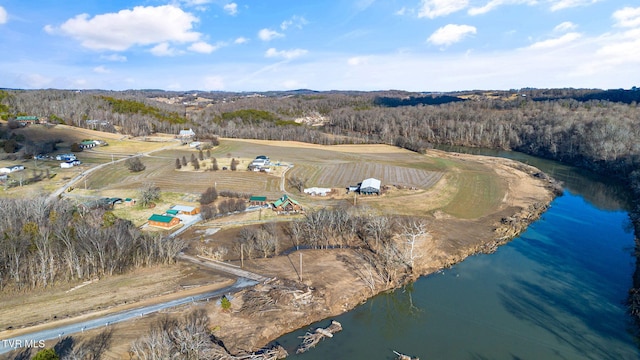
[558,291]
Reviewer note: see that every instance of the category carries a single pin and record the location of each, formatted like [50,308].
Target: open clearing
[468,190]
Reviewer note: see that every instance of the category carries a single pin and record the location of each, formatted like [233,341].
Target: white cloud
[295,21]
[401,12]
[163,49]
[556,42]
[126,28]
[627,17]
[114,57]
[3,16]
[450,34]
[492,4]
[213,83]
[231,8]
[357,60]
[565,26]
[621,48]
[101,70]
[292,84]
[203,47]
[435,8]
[285,54]
[35,81]
[268,34]
[565,4]
[196,2]
[241,40]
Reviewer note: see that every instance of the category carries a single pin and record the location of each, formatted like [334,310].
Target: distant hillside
[415,100]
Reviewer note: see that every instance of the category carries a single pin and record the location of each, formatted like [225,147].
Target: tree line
[44,243]
[385,243]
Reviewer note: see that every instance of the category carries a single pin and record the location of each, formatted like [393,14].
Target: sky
[263,45]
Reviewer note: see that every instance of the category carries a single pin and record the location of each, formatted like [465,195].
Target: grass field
[477,192]
[470,189]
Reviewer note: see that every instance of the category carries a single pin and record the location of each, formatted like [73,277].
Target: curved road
[18,342]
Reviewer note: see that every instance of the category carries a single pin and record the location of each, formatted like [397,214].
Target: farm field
[343,175]
[416,183]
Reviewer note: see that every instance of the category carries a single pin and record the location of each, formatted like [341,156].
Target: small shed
[11,168]
[129,202]
[163,221]
[172,212]
[65,157]
[257,200]
[88,144]
[67,164]
[370,186]
[186,210]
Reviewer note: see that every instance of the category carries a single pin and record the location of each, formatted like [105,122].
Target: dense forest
[594,129]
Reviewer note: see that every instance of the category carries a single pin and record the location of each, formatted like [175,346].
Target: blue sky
[253,45]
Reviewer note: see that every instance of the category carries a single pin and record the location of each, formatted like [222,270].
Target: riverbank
[335,281]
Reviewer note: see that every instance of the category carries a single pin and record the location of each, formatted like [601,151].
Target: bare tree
[297,182]
[413,231]
[210,195]
[149,193]
[379,228]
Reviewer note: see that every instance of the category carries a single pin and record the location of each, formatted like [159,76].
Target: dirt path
[228,269]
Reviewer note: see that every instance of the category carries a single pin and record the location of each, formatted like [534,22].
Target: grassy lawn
[478,193]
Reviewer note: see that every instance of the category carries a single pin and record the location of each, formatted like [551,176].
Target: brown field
[465,189]
[343,175]
[64,302]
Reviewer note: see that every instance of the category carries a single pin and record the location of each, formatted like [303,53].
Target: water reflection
[556,292]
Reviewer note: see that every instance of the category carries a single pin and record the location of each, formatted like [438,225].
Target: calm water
[556,292]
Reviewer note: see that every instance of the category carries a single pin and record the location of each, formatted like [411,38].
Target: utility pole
[300,267]
[242,255]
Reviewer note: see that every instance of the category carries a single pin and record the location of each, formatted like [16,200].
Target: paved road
[187,221]
[9,344]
